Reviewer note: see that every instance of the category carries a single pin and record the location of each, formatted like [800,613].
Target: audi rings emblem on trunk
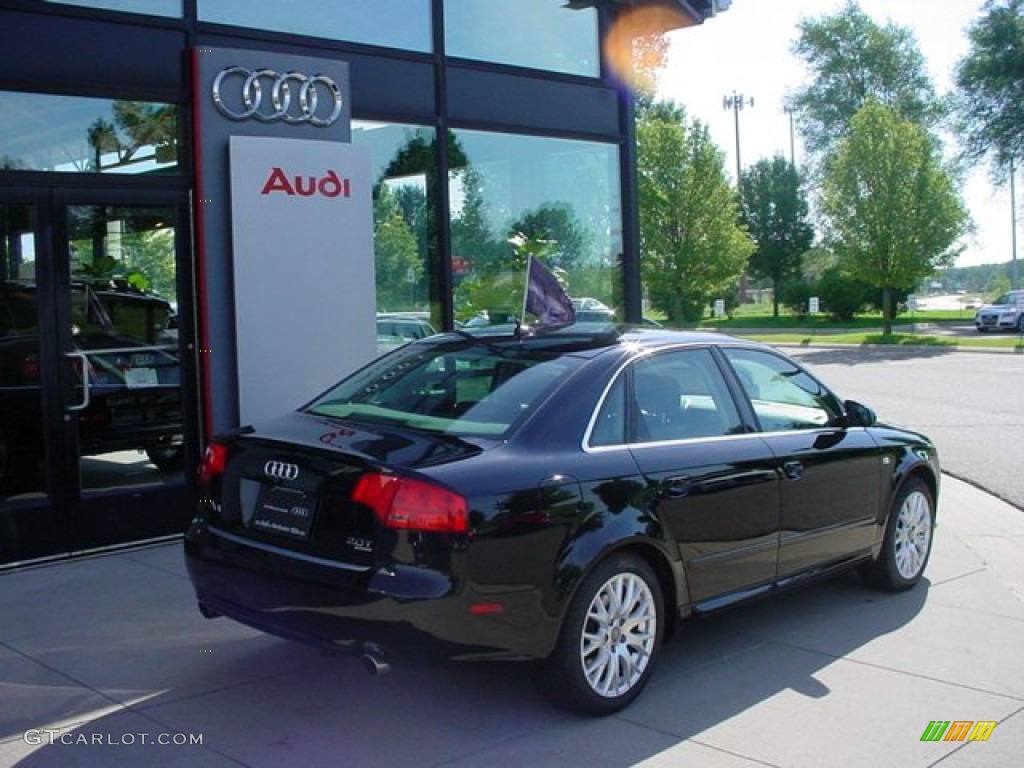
[281,470]
[290,96]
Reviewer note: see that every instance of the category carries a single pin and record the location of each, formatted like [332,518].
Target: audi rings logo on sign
[281,470]
[266,95]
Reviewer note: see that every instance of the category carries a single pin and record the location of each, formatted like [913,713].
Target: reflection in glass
[129,378]
[403,24]
[171,8]
[556,199]
[404,170]
[21,408]
[42,132]
[552,35]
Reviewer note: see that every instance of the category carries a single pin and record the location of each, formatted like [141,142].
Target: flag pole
[526,289]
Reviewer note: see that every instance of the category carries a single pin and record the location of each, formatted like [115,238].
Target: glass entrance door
[30,524]
[95,404]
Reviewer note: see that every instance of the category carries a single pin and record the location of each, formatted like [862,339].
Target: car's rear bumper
[409,611]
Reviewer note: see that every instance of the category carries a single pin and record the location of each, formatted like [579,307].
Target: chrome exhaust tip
[373,659]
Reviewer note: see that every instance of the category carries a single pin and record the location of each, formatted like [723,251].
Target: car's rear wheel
[610,638]
[908,539]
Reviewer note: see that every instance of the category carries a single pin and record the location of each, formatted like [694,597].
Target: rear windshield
[466,388]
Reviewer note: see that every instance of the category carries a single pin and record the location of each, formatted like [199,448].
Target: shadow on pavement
[873,353]
[260,701]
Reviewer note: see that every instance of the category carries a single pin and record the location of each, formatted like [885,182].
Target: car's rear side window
[676,395]
[681,395]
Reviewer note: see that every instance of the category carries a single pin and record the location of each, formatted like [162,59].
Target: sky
[747,50]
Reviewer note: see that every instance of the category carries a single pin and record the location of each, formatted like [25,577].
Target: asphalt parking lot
[104,659]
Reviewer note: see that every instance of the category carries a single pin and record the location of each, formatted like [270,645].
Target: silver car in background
[1004,314]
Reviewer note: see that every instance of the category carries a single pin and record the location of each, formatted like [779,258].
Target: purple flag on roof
[546,298]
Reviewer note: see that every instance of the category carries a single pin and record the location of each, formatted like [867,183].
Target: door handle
[85,381]
[677,487]
[794,470]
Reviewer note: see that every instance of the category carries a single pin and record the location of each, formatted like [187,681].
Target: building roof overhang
[684,13]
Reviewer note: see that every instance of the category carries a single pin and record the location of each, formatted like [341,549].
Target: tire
[908,540]
[167,457]
[610,638]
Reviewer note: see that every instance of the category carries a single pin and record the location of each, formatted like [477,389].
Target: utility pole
[736,102]
[792,144]
[1014,274]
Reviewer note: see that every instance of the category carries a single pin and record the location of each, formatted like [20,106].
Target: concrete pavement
[106,662]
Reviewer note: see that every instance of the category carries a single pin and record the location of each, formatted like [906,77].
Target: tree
[851,60]
[893,209]
[399,268]
[690,243]
[842,296]
[990,79]
[650,52]
[775,213]
[555,222]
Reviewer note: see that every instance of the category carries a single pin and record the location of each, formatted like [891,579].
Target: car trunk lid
[325,487]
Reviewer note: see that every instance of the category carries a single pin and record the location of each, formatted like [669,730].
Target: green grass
[895,339]
[750,320]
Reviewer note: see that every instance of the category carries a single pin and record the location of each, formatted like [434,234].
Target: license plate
[285,511]
[136,378]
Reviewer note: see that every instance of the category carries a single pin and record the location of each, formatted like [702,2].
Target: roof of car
[580,336]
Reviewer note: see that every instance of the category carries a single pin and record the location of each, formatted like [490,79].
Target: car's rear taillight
[30,368]
[402,502]
[215,459]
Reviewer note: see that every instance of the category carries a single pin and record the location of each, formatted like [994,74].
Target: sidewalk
[101,659]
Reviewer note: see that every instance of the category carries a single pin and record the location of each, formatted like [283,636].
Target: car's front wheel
[610,639]
[908,539]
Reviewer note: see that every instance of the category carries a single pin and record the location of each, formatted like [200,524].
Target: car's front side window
[784,397]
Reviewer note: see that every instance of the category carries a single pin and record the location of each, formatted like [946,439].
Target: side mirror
[858,415]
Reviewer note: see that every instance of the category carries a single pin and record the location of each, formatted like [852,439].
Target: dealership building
[209,209]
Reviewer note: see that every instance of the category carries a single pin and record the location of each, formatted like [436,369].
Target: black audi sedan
[564,496]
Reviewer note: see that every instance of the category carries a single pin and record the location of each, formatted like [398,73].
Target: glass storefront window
[557,199]
[170,8]
[404,172]
[21,407]
[541,34]
[42,132]
[404,24]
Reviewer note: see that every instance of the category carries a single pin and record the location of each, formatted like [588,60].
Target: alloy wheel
[619,635]
[913,534]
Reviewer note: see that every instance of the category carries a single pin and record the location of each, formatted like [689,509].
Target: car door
[831,473]
[714,486]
